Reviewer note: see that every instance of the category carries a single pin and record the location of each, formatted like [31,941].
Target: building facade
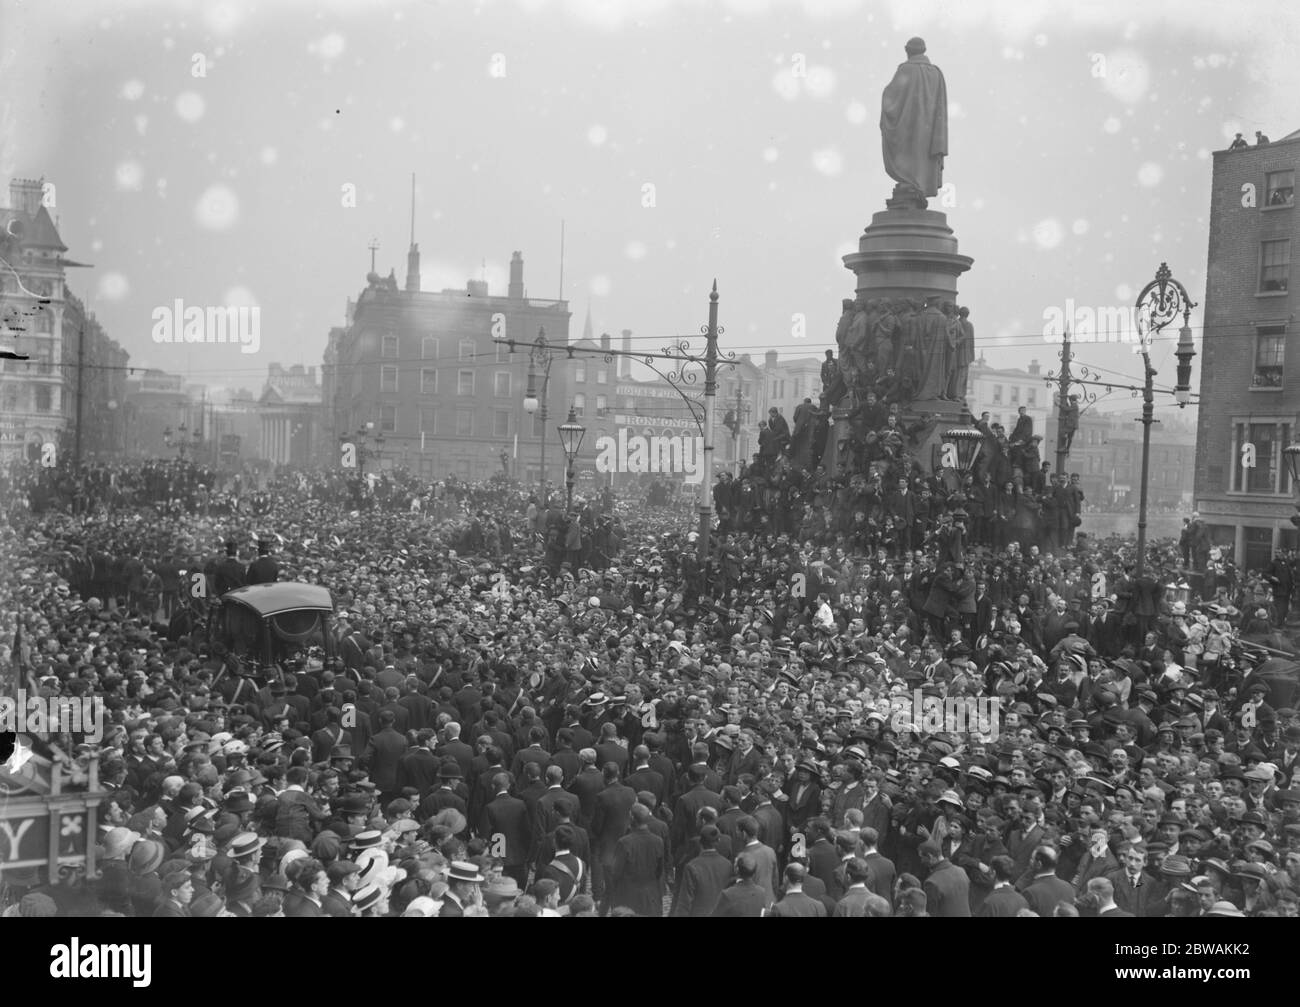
[1001,392]
[34,406]
[95,368]
[290,412]
[159,415]
[423,380]
[1250,385]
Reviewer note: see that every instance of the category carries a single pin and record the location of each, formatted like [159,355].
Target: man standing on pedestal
[914,128]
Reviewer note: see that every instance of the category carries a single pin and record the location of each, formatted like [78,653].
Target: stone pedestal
[836,437]
[908,253]
[939,415]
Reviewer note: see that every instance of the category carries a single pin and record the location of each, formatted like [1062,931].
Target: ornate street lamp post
[1160,302]
[539,361]
[571,434]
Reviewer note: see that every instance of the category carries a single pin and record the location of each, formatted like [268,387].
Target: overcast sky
[1080,144]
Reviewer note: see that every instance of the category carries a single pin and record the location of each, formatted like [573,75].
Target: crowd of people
[525,712]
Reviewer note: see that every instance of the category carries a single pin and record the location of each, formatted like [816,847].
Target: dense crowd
[523,711]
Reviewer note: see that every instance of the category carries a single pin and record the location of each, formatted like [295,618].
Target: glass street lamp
[571,434]
[967,441]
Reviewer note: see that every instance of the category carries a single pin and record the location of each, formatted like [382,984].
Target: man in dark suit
[547,818]
[533,753]
[771,821]
[745,898]
[1103,892]
[662,765]
[564,755]
[342,877]
[506,819]
[1047,890]
[313,885]
[454,748]
[586,785]
[609,824]
[562,865]
[445,795]
[1134,889]
[703,879]
[854,900]
[263,570]
[609,750]
[229,572]
[643,777]
[794,903]
[176,894]
[947,888]
[688,807]
[823,857]
[882,868]
[419,767]
[639,865]
[381,756]
[1003,900]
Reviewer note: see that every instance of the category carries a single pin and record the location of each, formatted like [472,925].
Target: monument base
[939,415]
[908,253]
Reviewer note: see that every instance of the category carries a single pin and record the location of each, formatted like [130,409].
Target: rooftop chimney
[1033,368]
[413,254]
[625,362]
[25,195]
[476,288]
[516,289]
[604,342]
[769,358]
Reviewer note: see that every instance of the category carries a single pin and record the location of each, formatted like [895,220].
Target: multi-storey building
[1250,388]
[34,406]
[95,368]
[428,372]
[1001,392]
[290,414]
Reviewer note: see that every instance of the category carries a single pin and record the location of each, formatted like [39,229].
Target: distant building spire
[587,330]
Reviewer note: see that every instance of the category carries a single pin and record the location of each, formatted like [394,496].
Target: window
[798,387]
[1270,472]
[42,398]
[428,420]
[602,376]
[1275,265]
[428,380]
[500,423]
[501,384]
[1280,188]
[429,348]
[466,350]
[580,373]
[388,419]
[997,395]
[1270,351]
[1031,397]
[602,405]
[464,423]
[1015,395]
[390,347]
[464,382]
[388,379]
[580,404]
[503,353]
